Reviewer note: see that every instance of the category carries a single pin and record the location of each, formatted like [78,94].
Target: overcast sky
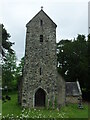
[71,17]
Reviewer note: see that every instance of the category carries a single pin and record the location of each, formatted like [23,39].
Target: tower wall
[40,69]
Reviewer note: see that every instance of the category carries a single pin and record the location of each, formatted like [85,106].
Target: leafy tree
[6,44]
[18,74]
[88,61]
[73,60]
[9,70]
[19,69]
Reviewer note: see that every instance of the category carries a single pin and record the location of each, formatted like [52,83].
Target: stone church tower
[41,84]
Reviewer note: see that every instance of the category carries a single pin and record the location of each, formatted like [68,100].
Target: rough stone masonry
[42,86]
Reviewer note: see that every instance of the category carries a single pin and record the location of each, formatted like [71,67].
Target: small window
[40,71]
[41,38]
[41,22]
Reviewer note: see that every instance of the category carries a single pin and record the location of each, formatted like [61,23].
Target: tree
[6,44]
[9,70]
[88,60]
[19,69]
[73,60]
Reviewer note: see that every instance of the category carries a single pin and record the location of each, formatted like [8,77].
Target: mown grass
[0,108]
[11,108]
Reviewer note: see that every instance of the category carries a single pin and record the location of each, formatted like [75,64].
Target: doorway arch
[40,98]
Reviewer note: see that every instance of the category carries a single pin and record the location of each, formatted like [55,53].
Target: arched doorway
[40,97]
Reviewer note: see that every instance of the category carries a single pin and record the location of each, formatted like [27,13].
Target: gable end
[38,14]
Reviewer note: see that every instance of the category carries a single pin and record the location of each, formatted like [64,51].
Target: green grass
[0,109]
[11,108]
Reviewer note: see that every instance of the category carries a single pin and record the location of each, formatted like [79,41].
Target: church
[41,85]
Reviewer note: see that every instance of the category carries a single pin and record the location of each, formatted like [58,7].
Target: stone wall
[61,90]
[40,69]
[72,99]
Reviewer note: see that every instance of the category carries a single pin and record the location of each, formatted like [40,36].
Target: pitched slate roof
[73,89]
[39,13]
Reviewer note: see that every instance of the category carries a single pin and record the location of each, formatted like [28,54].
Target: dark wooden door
[40,97]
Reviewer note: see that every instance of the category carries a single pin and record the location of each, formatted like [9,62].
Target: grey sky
[89,17]
[71,18]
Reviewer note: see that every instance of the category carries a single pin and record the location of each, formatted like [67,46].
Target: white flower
[3,117]
[61,116]
[20,117]
[50,116]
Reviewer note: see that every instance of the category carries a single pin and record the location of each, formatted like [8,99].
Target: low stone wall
[72,99]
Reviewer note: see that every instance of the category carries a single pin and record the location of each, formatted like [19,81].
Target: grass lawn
[12,109]
[0,108]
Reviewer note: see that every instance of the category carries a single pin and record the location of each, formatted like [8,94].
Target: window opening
[41,22]
[40,71]
[41,38]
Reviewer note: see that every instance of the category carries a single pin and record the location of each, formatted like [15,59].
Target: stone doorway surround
[39,97]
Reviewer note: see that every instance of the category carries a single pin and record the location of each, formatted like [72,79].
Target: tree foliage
[73,60]
[9,70]
[6,44]
[19,69]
